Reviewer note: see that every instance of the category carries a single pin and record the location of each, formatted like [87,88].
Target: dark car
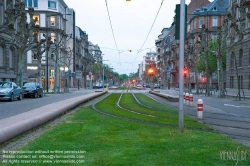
[10,91]
[32,89]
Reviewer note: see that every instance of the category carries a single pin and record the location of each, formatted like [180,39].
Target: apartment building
[52,19]
[242,53]
[8,54]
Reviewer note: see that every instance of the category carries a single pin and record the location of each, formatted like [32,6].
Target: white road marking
[235,106]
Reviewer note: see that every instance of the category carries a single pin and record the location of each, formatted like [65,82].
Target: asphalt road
[8,109]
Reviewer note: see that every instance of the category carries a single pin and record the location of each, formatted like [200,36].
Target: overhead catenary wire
[112,30]
[138,51]
[149,31]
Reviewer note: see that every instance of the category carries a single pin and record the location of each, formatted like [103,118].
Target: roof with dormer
[217,7]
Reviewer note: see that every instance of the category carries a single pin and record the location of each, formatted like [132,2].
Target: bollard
[187,99]
[191,100]
[200,109]
[184,98]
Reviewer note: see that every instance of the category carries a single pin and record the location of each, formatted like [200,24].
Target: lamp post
[103,74]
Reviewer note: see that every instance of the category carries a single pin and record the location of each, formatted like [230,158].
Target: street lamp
[103,74]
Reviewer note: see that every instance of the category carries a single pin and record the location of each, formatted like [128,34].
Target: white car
[139,86]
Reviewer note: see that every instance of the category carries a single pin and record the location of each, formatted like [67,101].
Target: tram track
[140,121]
[227,124]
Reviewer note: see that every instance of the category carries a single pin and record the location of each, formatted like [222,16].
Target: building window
[43,72]
[214,37]
[51,73]
[35,56]
[53,37]
[188,28]
[52,21]
[10,58]
[215,22]
[35,3]
[37,18]
[240,57]
[31,3]
[1,56]
[201,22]
[1,14]
[231,82]
[232,61]
[51,5]
[52,56]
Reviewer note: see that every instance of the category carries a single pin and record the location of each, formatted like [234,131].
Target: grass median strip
[149,102]
[163,117]
[111,141]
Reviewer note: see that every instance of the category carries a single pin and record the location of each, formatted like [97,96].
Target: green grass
[146,114]
[122,88]
[149,102]
[114,142]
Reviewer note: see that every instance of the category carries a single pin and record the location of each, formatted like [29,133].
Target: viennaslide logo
[234,155]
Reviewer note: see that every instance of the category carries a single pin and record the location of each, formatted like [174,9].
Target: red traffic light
[151,71]
[185,73]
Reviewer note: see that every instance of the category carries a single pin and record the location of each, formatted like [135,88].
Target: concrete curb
[166,96]
[22,125]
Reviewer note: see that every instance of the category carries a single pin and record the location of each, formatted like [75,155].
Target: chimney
[222,2]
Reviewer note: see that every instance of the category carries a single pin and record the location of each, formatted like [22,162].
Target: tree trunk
[20,65]
[220,77]
[56,72]
[196,79]
[39,72]
[237,77]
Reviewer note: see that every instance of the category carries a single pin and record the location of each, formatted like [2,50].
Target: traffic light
[177,22]
[185,73]
[151,72]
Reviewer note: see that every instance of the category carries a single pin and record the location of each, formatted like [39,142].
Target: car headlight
[6,92]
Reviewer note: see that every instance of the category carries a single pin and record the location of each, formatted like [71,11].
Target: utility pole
[181,67]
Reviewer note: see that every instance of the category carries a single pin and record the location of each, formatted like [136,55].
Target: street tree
[62,55]
[21,36]
[217,48]
[38,50]
[96,69]
[66,61]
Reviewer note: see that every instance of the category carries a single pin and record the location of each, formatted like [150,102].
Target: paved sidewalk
[230,93]
[23,122]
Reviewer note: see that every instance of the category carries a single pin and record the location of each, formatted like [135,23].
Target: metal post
[181,79]
[47,58]
[102,77]
[78,84]
[47,71]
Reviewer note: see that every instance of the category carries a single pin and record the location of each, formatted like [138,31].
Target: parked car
[10,91]
[32,89]
[157,86]
[138,86]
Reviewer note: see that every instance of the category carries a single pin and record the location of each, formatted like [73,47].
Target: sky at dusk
[131,23]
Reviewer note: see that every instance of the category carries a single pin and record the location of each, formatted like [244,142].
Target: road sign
[78,74]
[168,68]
